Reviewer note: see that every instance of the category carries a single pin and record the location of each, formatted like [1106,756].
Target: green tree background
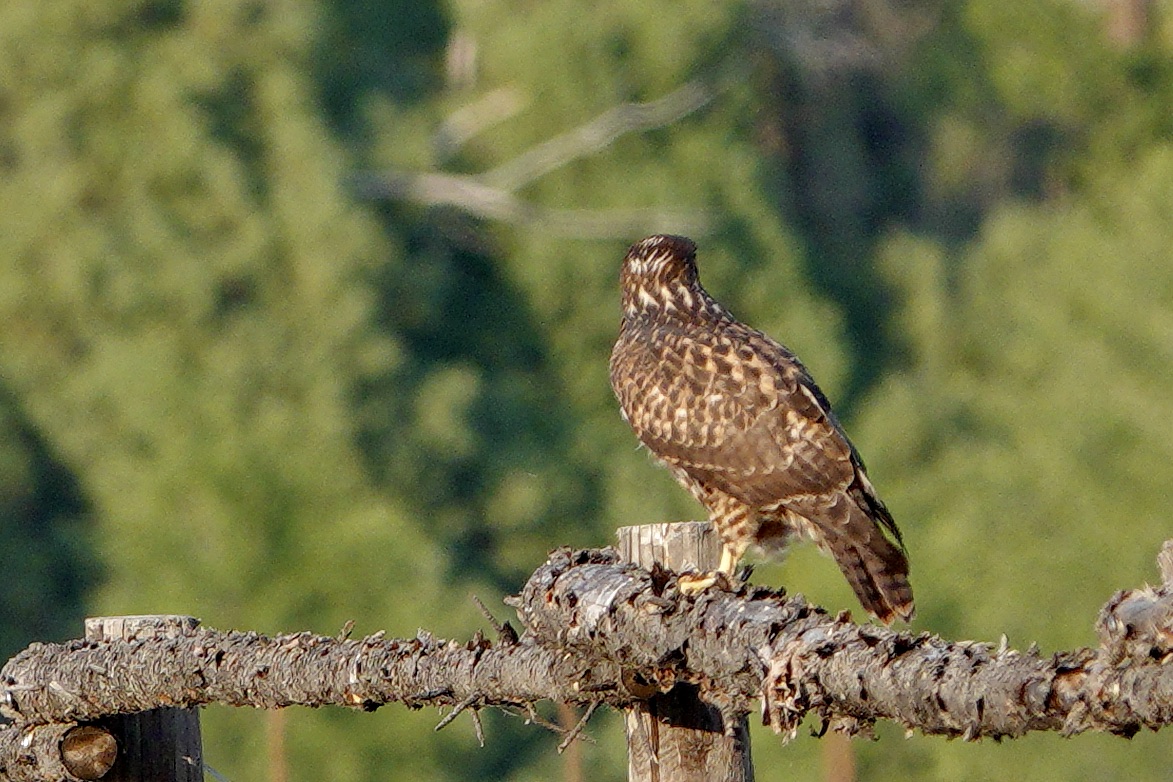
[243,375]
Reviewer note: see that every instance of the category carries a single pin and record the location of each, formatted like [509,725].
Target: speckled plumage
[740,423]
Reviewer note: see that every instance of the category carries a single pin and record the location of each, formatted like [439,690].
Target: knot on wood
[569,600]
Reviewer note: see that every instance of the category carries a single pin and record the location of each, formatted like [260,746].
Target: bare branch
[576,731]
[505,632]
[452,715]
[491,195]
[737,647]
[479,727]
[466,122]
[598,134]
[473,196]
[84,680]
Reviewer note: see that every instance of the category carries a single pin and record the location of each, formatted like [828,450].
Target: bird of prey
[741,424]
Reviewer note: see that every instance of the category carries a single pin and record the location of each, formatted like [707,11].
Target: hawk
[741,424]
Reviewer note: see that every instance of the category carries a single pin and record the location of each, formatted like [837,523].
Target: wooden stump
[160,745]
[673,736]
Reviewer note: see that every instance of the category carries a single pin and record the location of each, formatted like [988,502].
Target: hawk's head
[659,277]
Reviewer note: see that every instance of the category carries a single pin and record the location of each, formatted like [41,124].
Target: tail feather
[879,579]
[875,567]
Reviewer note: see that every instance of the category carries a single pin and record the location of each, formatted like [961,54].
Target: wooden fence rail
[595,631]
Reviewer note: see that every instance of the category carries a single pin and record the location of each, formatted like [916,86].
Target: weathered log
[600,631]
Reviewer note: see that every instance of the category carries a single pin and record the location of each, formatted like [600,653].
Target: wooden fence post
[160,745]
[674,736]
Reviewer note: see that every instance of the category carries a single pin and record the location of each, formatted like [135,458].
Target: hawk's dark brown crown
[659,277]
[659,259]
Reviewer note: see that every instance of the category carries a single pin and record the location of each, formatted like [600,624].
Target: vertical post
[160,745]
[674,736]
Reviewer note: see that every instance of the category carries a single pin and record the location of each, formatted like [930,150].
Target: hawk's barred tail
[875,567]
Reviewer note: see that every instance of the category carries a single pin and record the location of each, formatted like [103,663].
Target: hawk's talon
[692,584]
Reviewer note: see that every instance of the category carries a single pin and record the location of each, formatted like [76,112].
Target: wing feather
[735,411]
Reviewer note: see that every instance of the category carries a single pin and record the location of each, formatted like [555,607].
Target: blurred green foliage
[232,385]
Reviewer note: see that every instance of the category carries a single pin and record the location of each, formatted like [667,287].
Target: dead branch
[80,681]
[739,646]
[471,195]
[466,122]
[491,195]
[597,631]
[598,134]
